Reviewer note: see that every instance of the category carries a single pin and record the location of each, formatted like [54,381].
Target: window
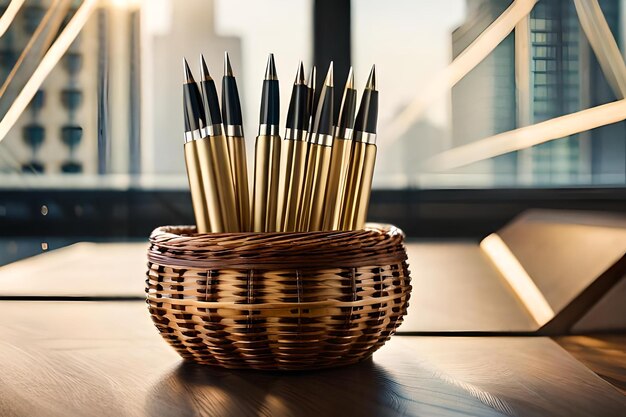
[565,77]
[108,119]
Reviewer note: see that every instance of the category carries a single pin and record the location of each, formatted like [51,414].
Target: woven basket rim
[377,244]
[174,231]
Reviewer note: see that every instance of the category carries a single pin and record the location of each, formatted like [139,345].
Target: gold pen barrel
[315,187]
[210,183]
[237,155]
[196,187]
[320,139]
[294,159]
[359,186]
[224,180]
[337,180]
[266,178]
[284,170]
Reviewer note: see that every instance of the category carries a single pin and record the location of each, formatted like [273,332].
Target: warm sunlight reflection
[7,17]
[484,44]
[528,136]
[517,277]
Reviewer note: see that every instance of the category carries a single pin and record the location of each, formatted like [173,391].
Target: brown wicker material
[286,301]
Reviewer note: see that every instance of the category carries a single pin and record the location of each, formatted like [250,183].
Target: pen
[201,182]
[363,158]
[293,154]
[267,155]
[213,152]
[320,141]
[340,158]
[233,126]
[312,102]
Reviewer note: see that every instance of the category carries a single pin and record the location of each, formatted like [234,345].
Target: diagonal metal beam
[473,55]
[9,14]
[49,61]
[31,55]
[603,43]
[525,137]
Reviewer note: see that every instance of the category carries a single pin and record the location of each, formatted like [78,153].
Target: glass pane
[410,44]
[100,143]
[109,113]
[98,153]
[413,44]
[49,136]
[286,32]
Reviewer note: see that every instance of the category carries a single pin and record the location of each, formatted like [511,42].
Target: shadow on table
[192,390]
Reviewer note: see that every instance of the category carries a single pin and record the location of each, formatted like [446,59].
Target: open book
[549,272]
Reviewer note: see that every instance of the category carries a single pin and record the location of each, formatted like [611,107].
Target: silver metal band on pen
[344,133]
[296,134]
[193,135]
[212,130]
[321,139]
[233,130]
[268,130]
[365,137]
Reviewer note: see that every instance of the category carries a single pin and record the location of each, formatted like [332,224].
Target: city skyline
[564,76]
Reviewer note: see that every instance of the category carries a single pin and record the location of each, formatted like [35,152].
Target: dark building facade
[563,75]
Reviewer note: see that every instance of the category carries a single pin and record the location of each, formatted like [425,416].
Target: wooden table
[105,358]
[98,354]
[456,287]
[481,300]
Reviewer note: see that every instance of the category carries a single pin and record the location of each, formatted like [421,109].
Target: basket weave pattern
[287,301]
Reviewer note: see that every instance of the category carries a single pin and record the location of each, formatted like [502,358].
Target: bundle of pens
[321,178]
[325,290]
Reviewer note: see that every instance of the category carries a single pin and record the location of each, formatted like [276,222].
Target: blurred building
[49,136]
[172,30]
[107,107]
[402,163]
[483,102]
[563,77]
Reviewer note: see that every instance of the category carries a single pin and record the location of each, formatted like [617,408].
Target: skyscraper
[563,76]
[483,102]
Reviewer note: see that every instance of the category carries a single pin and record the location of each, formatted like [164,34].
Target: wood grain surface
[608,315]
[85,269]
[603,354]
[456,288]
[106,359]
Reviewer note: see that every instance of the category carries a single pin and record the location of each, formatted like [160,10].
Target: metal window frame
[421,213]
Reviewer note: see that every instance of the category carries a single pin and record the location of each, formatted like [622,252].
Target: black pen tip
[270,70]
[300,75]
[323,120]
[228,69]
[205,69]
[371,80]
[329,75]
[188,74]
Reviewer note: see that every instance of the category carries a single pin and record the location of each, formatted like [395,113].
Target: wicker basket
[287,301]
